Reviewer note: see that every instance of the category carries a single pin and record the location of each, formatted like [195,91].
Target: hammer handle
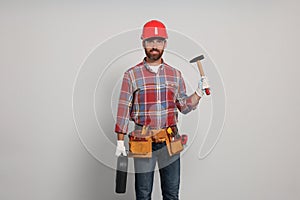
[200,68]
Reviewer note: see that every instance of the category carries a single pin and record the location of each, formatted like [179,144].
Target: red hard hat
[154,28]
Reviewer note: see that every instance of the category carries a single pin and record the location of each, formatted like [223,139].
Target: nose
[154,44]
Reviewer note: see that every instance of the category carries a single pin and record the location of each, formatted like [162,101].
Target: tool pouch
[139,148]
[175,147]
[174,142]
[140,145]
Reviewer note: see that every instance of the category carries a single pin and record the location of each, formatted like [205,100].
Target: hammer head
[196,59]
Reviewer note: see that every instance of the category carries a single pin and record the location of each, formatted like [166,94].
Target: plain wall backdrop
[254,45]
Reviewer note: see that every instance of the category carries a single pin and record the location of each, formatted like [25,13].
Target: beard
[154,54]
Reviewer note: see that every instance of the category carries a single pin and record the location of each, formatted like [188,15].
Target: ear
[143,43]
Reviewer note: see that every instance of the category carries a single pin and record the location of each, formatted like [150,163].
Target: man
[152,92]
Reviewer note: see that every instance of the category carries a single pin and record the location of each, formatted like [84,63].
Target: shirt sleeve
[124,105]
[184,103]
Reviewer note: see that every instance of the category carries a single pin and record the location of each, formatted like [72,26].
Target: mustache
[154,50]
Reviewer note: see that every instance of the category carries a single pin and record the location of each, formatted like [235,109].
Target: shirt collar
[147,65]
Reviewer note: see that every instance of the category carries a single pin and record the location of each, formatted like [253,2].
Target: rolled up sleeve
[124,105]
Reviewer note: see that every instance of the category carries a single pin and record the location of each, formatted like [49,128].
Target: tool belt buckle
[158,136]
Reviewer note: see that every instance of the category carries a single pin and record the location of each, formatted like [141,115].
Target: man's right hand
[120,148]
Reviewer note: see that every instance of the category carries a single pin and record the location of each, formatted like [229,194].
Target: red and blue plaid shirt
[152,99]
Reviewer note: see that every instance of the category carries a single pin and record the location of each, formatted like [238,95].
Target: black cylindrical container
[121,174]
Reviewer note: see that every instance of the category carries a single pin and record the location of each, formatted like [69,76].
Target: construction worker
[151,94]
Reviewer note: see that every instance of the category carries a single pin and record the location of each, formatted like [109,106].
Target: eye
[151,41]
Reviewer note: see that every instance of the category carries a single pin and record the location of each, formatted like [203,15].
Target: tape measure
[169,130]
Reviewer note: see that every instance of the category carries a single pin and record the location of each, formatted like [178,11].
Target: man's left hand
[202,85]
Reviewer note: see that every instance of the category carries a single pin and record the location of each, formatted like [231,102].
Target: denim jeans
[169,171]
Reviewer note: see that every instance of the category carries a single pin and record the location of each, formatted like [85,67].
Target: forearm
[120,136]
[195,98]
[187,104]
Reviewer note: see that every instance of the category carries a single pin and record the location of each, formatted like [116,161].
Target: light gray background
[255,45]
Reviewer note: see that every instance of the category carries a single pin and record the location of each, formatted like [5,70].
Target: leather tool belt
[141,139]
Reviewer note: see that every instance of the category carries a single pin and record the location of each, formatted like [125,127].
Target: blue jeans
[169,171]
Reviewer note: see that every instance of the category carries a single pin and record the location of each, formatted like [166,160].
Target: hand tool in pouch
[121,174]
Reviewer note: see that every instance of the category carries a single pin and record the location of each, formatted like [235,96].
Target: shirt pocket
[171,85]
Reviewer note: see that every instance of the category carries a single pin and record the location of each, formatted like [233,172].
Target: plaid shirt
[150,98]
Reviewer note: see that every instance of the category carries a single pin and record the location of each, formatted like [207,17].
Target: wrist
[121,136]
[199,92]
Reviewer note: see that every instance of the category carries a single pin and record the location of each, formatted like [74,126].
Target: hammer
[197,59]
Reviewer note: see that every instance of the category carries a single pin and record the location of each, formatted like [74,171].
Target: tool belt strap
[159,136]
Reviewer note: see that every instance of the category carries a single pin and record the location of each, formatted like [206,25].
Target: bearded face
[153,53]
[154,48]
